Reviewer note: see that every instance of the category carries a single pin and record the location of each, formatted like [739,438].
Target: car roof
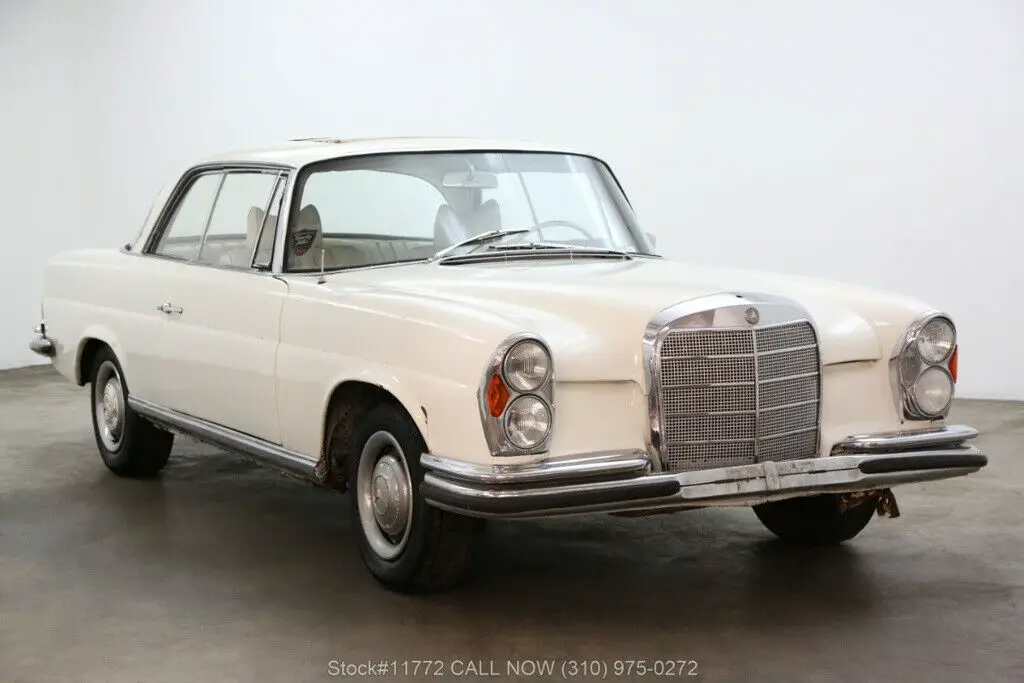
[301,151]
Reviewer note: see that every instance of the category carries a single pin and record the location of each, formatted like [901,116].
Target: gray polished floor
[221,571]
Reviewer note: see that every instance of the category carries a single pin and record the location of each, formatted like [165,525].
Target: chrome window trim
[292,198]
[774,310]
[494,427]
[181,188]
[263,224]
[906,404]
[209,219]
[284,224]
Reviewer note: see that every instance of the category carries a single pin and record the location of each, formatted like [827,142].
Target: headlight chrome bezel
[495,425]
[908,364]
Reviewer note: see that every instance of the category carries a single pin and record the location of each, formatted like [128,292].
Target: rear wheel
[407,545]
[815,520]
[129,445]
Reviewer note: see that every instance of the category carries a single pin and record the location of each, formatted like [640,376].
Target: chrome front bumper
[624,482]
[42,344]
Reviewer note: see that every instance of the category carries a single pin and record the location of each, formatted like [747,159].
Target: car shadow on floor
[211,510]
[216,529]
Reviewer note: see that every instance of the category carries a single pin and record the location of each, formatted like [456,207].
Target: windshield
[390,208]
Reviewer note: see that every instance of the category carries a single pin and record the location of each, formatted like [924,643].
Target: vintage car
[458,329]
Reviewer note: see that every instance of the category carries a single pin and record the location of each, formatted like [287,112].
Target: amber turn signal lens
[497,396]
[952,362]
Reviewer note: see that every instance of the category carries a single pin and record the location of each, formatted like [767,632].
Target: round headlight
[936,340]
[527,366]
[527,421]
[933,391]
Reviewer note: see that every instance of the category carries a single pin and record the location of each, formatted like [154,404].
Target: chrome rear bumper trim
[42,344]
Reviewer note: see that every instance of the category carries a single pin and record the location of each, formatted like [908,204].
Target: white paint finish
[427,353]
[221,350]
[296,153]
[599,416]
[856,141]
[112,297]
[262,354]
[856,398]
[566,301]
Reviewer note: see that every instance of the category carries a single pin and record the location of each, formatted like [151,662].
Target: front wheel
[816,520]
[407,545]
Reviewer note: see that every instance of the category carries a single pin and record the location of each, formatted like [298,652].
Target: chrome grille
[733,397]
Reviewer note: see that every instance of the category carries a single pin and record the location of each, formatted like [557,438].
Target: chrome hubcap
[384,495]
[390,494]
[112,407]
[109,397]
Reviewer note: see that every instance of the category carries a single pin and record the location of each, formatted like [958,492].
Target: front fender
[439,406]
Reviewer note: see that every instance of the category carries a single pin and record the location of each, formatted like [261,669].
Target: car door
[148,285]
[223,322]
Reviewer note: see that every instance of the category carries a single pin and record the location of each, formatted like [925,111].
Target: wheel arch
[92,340]
[347,401]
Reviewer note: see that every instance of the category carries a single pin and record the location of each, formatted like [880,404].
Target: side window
[237,218]
[265,249]
[184,231]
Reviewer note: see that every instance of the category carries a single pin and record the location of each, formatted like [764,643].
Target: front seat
[486,217]
[242,255]
[449,229]
[306,242]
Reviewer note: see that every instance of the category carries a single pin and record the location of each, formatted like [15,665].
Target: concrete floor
[222,571]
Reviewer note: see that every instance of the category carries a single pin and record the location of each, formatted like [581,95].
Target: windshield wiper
[558,245]
[488,236]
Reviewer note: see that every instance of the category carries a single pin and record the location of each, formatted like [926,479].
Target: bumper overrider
[625,481]
[42,344]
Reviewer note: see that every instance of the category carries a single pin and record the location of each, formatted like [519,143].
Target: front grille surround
[724,391]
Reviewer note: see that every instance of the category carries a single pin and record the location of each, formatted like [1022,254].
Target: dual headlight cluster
[925,366]
[516,398]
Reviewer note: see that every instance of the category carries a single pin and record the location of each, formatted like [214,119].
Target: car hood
[593,313]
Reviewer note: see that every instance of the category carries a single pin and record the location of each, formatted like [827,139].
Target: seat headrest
[255,220]
[487,217]
[447,227]
[308,231]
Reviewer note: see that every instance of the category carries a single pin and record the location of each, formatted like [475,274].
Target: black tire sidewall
[404,568]
[118,458]
[815,520]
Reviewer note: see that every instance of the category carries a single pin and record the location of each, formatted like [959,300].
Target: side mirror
[652,238]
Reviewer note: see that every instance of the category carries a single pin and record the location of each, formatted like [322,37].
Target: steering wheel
[538,228]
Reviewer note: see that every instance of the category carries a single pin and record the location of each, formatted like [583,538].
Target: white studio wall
[872,142]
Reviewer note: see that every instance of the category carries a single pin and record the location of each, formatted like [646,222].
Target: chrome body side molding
[244,444]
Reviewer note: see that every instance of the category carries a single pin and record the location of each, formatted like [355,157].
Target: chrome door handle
[169,308]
